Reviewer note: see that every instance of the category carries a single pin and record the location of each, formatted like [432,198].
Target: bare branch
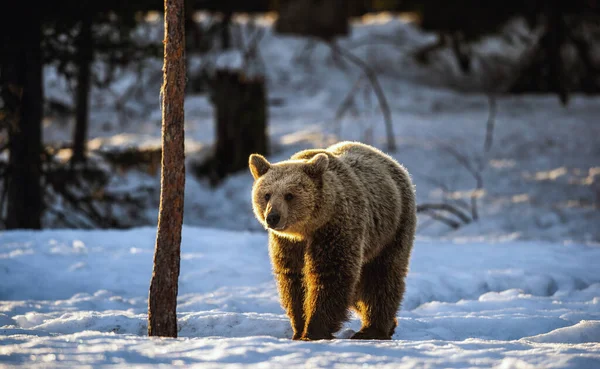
[422,54]
[445,207]
[62,217]
[489,131]
[446,190]
[475,172]
[348,100]
[304,54]
[371,75]
[449,222]
[461,159]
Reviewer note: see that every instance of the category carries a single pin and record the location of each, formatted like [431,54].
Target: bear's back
[384,183]
[379,190]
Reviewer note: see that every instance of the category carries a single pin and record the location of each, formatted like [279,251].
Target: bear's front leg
[288,261]
[332,267]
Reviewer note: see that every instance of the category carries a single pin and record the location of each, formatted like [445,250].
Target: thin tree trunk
[555,41]
[162,301]
[84,60]
[225,31]
[546,70]
[24,208]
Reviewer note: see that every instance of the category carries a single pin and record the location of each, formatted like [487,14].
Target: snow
[540,178]
[516,288]
[80,297]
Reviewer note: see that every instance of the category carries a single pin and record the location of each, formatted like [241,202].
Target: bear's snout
[273,219]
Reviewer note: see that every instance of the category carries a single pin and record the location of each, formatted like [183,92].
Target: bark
[23,66]
[84,60]
[162,301]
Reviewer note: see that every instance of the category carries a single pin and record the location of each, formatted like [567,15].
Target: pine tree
[162,302]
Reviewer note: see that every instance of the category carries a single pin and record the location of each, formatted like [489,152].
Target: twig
[371,75]
[304,54]
[489,131]
[64,219]
[255,39]
[347,102]
[475,172]
[446,190]
[249,46]
[461,159]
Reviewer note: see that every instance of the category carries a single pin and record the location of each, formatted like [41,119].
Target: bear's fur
[341,229]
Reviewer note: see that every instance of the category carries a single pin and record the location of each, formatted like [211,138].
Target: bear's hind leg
[380,290]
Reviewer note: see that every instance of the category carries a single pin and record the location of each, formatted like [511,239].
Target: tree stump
[240,106]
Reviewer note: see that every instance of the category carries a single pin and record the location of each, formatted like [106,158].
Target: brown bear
[341,225]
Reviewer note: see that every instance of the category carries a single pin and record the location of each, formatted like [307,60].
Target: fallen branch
[399,43]
[449,222]
[445,207]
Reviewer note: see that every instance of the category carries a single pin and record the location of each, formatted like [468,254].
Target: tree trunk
[84,60]
[556,39]
[546,70]
[241,118]
[24,59]
[226,31]
[162,301]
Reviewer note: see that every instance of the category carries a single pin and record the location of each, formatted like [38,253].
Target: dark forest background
[72,34]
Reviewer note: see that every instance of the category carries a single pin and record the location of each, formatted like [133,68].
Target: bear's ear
[317,165]
[258,165]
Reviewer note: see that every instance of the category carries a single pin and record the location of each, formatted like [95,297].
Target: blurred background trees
[72,35]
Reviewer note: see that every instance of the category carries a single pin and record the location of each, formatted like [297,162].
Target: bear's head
[286,195]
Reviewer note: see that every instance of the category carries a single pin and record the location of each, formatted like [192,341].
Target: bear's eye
[288,196]
[267,197]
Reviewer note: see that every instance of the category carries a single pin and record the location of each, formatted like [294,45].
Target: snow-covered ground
[517,288]
[79,299]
